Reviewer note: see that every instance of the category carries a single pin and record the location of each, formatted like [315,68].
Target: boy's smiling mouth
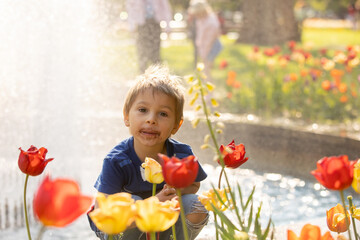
[150,133]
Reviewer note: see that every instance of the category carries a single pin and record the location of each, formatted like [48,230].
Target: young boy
[153,111]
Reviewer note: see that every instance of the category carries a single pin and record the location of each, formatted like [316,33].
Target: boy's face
[151,118]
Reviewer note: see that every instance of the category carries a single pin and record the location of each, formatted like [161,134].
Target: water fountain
[60,92]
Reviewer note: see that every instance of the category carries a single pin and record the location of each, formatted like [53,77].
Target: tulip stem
[346,213]
[154,189]
[211,130]
[221,173]
[217,231]
[182,213]
[110,237]
[41,232]
[351,207]
[153,235]
[25,208]
[216,145]
[173,232]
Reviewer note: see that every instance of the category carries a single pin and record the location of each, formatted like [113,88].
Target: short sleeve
[111,178]
[201,174]
[181,150]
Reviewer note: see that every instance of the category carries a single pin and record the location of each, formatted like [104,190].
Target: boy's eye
[142,109]
[163,114]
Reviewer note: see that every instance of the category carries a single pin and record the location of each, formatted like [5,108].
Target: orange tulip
[303,72]
[326,85]
[231,78]
[336,73]
[58,202]
[293,77]
[309,232]
[336,220]
[342,87]
[344,99]
[335,173]
[237,84]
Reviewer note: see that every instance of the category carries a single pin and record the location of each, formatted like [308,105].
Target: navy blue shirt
[122,171]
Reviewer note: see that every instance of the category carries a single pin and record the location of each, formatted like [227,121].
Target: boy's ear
[126,119]
[176,128]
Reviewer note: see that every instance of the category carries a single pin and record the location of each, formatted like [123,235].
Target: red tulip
[33,162]
[58,203]
[291,45]
[270,52]
[179,173]
[223,64]
[335,173]
[233,155]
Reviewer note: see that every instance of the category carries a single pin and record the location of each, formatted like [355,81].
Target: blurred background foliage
[307,83]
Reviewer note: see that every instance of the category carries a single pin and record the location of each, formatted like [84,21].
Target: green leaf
[250,197]
[247,229]
[257,227]
[224,218]
[266,232]
[218,196]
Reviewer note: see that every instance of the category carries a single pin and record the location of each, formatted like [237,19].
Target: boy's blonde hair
[158,79]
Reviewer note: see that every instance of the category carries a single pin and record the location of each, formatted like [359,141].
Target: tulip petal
[179,173]
[58,203]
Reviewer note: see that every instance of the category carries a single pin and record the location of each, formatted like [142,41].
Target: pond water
[62,89]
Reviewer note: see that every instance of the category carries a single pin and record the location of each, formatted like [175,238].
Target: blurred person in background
[144,17]
[208,31]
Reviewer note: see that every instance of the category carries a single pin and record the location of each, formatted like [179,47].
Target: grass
[328,37]
[179,57]
[263,90]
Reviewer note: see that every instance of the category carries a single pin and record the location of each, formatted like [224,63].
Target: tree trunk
[268,22]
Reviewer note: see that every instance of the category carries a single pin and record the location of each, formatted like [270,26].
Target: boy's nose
[151,119]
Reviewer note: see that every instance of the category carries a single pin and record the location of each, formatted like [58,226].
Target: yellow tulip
[154,216]
[210,197]
[115,213]
[172,204]
[356,213]
[241,236]
[356,179]
[153,171]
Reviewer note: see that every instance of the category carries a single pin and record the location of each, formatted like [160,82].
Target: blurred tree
[268,22]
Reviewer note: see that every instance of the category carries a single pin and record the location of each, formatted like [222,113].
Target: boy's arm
[193,188]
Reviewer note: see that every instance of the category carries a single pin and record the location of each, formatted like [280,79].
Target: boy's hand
[167,193]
